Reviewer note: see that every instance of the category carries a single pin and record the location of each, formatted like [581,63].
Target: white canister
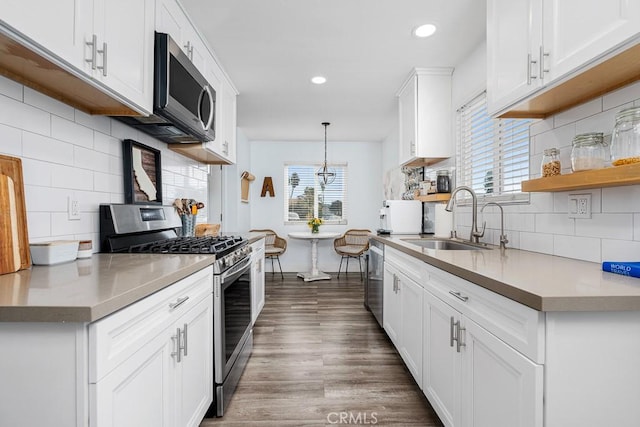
[443,222]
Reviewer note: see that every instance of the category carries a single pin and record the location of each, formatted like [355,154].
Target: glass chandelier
[325,175]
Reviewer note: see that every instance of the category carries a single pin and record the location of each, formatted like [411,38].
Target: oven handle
[236,271]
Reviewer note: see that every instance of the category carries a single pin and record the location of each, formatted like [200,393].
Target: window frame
[499,128]
[315,166]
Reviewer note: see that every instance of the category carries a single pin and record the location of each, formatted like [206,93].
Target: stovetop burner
[191,245]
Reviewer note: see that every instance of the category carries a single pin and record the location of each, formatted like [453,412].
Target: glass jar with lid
[625,140]
[588,151]
[550,162]
[443,183]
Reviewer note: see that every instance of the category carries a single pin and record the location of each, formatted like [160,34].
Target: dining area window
[308,197]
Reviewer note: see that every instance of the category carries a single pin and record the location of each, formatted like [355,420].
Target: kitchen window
[492,154]
[307,197]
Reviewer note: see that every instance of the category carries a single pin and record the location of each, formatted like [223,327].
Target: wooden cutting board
[9,241]
[11,167]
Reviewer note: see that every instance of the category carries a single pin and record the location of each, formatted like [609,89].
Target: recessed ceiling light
[319,80]
[425,30]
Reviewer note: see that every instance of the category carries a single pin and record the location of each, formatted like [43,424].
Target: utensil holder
[188,225]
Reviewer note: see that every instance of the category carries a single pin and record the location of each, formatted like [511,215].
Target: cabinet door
[125,31]
[257,279]
[514,37]
[441,361]
[411,314]
[407,106]
[229,121]
[501,387]
[194,377]
[139,392]
[59,26]
[392,316]
[577,31]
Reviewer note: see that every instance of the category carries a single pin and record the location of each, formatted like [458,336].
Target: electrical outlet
[580,206]
[73,208]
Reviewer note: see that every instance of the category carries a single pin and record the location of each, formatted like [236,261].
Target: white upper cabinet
[171,19]
[124,54]
[107,42]
[425,117]
[63,36]
[534,44]
[512,50]
[577,31]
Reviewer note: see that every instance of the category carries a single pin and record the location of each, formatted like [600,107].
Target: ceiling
[365,48]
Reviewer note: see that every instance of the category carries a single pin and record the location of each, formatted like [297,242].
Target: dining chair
[352,244]
[274,246]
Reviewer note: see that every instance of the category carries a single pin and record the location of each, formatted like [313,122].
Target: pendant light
[325,175]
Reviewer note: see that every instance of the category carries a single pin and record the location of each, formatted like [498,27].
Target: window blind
[492,154]
[307,197]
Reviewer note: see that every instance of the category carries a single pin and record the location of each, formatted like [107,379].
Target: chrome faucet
[503,237]
[475,235]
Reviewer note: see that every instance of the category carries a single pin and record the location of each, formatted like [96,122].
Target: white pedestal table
[314,274]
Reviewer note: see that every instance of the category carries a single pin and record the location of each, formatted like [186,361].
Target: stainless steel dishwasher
[373,289]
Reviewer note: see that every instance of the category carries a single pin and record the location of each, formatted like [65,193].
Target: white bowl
[56,252]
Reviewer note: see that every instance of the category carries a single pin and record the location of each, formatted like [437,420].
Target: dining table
[314,238]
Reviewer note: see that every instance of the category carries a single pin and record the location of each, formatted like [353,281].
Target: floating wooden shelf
[609,177]
[437,197]
[198,151]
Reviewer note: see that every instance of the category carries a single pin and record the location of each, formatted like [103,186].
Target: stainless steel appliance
[373,289]
[183,100]
[428,218]
[152,229]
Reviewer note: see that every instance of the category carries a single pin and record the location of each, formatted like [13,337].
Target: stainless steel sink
[444,244]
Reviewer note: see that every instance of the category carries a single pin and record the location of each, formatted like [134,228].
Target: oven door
[232,316]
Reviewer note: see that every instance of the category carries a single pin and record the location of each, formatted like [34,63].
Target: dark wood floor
[320,359]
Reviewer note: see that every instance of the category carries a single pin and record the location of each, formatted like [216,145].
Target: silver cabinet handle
[459,296]
[226,148]
[189,50]
[177,346]
[459,342]
[104,59]
[184,340]
[93,43]
[451,333]
[530,62]
[543,55]
[178,302]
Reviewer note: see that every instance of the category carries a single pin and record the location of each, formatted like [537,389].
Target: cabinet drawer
[519,326]
[116,337]
[413,268]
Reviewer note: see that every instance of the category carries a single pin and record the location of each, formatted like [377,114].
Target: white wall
[612,233]
[66,152]
[364,187]
[236,215]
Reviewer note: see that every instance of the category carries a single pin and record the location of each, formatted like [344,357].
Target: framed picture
[142,173]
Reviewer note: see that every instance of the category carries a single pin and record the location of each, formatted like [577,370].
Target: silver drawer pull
[459,296]
[178,302]
[452,338]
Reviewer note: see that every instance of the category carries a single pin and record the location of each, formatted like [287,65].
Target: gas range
[152,229]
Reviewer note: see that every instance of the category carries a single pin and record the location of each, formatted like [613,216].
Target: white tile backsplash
[584,248]
[613,231]
[66,152]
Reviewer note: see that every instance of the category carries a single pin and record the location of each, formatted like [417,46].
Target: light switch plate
[579,206]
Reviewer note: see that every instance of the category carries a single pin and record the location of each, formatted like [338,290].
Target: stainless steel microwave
[183,101]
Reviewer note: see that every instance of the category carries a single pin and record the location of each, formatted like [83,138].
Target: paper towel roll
[444,221]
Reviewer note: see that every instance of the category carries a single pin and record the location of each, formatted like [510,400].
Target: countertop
[540,281]
[86,290]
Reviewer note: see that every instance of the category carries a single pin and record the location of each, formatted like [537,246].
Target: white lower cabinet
[471,377]
[154,360]
[402,315]
[257,279]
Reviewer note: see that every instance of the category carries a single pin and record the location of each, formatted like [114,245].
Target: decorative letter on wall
[244,186]
[267,187]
